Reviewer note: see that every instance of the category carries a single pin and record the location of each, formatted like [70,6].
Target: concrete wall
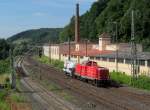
[103,42]
[123,67]
[46,50]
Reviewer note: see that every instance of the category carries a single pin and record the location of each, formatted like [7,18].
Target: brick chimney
[77,25]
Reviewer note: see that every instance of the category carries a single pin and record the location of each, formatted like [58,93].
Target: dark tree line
[4,49]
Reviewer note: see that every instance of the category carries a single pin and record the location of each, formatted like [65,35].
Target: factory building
[103,52]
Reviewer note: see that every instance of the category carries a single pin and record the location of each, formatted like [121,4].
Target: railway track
[49,101]
[142,97]
[110,101]
[103,100]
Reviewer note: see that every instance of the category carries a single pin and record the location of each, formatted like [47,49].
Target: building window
[98,58]
[92,58]
[111,60]
[142,62]
[148,63]
[120,60]
[81,56]
[104,59]
[128,61]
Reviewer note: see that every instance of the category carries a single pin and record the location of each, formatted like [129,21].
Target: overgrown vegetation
[4,66]
[55,63]
[3,103]
[103,12]
[17,98]
[143,82]
[4,49]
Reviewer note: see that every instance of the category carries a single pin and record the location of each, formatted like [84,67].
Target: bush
[142,82]
[4,106]
[4,66]
[3,94]
[120,77]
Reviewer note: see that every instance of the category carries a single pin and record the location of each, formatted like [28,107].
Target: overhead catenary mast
[134,68]
[13,85]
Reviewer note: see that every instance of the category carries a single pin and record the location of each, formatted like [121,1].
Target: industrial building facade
[103,52]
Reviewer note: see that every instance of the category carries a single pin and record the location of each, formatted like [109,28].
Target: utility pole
[69,48]
[86,44]
[116,47]
[133,51]
[49,51]
[13,85]
[116,39]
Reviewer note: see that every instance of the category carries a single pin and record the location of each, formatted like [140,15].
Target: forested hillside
[24,40]
[103,12]
[35,36]
[4,49]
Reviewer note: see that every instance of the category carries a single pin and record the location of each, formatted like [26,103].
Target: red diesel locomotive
[90,71]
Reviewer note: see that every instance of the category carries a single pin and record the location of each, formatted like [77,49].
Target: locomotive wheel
[86,80]
[93,82]
[75,77]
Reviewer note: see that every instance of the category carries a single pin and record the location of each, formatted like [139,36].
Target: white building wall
[46,50]
[52,52]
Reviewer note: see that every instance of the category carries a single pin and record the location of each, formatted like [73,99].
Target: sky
[20,15]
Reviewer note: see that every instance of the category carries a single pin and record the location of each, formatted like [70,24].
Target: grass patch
[55,63]
[142,82]
[17,98]
[3,103]
[56,89]
[66,96]
[120,78]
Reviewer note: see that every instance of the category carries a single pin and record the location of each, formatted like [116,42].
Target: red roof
[92,52]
